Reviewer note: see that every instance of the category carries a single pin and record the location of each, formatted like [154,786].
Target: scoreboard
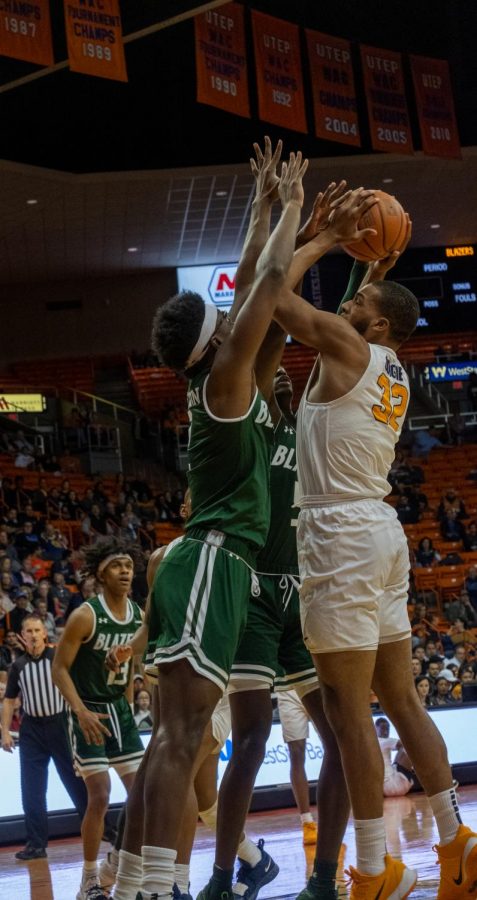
[444,280]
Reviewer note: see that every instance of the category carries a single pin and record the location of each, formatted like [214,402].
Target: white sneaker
[107,871]
[92,892]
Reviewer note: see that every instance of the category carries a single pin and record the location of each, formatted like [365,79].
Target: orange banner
[386,99]
[279,78]
[334,95]
[220,59]
[435,107]
[25,31]
[95,41]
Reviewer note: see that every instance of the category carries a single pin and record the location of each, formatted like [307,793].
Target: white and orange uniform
[352,551]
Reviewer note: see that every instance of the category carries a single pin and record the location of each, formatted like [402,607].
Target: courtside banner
[386,99]
[25,31]
[334,95]
[279,78]
[435,107]
[95,41]
[220,59]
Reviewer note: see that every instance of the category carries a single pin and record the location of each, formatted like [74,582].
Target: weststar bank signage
[450,371]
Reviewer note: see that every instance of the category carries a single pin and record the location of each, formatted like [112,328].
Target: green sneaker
[312,891]
[210,892]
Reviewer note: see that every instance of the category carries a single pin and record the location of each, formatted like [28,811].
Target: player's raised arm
[264,170]
[231,383]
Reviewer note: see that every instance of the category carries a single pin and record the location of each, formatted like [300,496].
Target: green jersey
[229,463]
[91,678]
[279,556]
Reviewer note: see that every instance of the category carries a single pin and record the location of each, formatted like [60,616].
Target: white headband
[208,327]
[107,559]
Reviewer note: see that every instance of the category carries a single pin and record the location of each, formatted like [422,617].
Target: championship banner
[279,78]
[386,99]
[435,107]
[25,31]
[334,95]
[220,59]
[94,36]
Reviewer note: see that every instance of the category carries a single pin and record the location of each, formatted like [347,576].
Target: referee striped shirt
[32,676]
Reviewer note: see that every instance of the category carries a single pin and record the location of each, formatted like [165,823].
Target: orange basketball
[389,219]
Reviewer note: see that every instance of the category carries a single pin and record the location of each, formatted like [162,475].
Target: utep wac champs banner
[387,105]
[334,96]
[435,107]
[95,42]
[279,79]
[25,31]
[220,59]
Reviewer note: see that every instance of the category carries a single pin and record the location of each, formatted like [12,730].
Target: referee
[43,735]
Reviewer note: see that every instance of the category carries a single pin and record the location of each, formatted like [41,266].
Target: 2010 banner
[334,95]
[94,37]
[25,31]
[278,67]
[386,99]
[435,107]
[220,58]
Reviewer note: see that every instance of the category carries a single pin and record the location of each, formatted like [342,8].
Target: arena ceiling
[113,167]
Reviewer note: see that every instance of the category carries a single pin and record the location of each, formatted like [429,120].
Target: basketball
[389,219]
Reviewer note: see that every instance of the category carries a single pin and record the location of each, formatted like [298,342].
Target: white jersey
[345,448]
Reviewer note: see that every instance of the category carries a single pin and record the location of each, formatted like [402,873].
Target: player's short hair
[400,306]
[381,721]
[176,328]
[95,554]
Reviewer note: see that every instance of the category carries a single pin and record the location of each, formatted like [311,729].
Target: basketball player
[102,729]
[200,595]
[395,782]
[354,565]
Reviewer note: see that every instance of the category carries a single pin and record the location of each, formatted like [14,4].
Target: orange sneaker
[310,833]
[395,883]
[458,862]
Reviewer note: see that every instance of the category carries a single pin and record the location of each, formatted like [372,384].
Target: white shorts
[293,716]
[221,723]
[354,567]
[396,784]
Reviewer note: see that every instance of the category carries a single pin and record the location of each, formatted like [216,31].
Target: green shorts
[122,751]
[272,652]
[198,609]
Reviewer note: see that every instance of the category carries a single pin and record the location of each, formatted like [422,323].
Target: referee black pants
[43,739]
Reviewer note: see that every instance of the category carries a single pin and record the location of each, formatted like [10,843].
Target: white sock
[370,845]
[90,871]
[158,869]
[249,852]
[129,876]
[446,813]
[306,817]
[209,817]
[182,877]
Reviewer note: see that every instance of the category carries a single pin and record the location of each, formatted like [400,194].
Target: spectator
[420,612]
[143,713]
[459,634]
[416,665]
[459,657]
[10,650]
[451,558]
[87,590]
[455,430]
[434,667]
[13,620]
[470,537]
[40,497]
[423,688]
[27,541]
[444,684]
[471,585]
[61,596]
[451,502]
[407,513]
[64,567]
[47,620]
[395,783]
[424,442]
[53,542]
[451,528]
[461,608]
[466,674]
[426,555]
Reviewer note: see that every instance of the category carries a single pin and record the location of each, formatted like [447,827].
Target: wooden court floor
[410,829]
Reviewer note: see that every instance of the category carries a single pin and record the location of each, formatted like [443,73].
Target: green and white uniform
[104,692]
[272,652]
[202,588]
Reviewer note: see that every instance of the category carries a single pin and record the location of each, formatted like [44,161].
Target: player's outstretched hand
[92,727]
[319,216]
[379,269]
[290,188]
[116,656]
[264,170]
[346,213]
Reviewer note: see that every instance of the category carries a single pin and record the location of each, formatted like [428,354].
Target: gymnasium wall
[90,317]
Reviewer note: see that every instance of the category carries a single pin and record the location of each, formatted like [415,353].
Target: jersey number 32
[394,400]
